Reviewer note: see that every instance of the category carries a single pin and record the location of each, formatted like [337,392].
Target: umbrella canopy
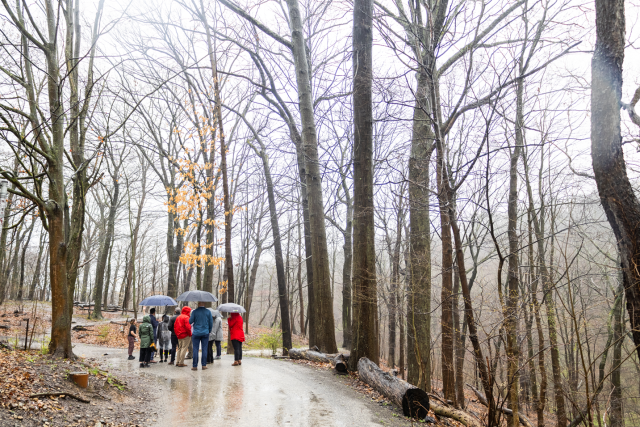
[199,296]
[158,300]
[231,308]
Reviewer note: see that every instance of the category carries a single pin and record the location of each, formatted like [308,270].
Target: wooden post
[26,335]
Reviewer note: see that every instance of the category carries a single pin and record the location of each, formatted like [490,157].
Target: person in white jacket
[215,336]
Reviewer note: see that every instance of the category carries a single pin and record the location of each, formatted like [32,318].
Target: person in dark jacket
[132,338]
[174,338]
[182,328]
[236,335]
[154,323]
[146,338]
[202,322]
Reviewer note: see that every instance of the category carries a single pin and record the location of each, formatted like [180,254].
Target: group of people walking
[187,331]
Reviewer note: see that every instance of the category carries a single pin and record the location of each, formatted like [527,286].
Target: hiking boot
[194,369]
[239,362]
[131,358]
[170,363]
[218,358]
[142,365]
[204,367]
[235,363]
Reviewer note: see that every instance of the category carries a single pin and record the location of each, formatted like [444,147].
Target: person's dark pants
[132,343]
[155,341]
[174,347]
[210,352]
[145,355]
[198,341]
[237,349]
[218,348]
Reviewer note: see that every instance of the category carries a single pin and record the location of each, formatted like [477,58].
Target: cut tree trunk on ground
[482,399]
[82,328]
[455,414]
[314,356]
[339,362]
[413,401]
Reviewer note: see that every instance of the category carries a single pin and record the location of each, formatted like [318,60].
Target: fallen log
[455,414]
[81,328]
[340,364]
[413,401]
[482,399]
[59,393]
[314,356]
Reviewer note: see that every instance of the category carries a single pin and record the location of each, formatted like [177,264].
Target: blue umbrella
[199,296]
[158,300]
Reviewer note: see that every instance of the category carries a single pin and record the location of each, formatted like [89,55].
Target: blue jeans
[197,341]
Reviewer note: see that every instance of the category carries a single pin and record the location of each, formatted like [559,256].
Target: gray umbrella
[231,308]
[199,296]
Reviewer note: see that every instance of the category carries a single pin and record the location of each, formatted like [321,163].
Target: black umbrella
[199,296]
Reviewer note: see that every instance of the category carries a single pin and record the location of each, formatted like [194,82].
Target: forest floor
[114,398]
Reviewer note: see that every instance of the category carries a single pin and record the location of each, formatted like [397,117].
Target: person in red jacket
[182,329]
[236,335]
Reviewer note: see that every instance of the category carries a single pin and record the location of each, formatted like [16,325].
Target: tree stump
[413,401]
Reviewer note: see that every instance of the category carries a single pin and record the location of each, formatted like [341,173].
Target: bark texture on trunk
[365,299]
[321,304]
[616,193]
[511,320]
[419,285]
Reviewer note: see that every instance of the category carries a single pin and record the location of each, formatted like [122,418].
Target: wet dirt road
[261,392]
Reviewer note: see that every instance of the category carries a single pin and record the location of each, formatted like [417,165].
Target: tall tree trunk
[511,321]
[419,289]
[446,323]
[365,298]
[561,417]
[107,278]
[103,255]
[25,246]
[134,230]
[616,193]
[299,278]
[3,242]
[36,274]
[395,284]
[347,265]
[277,247]
[322,306]
[617,403]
